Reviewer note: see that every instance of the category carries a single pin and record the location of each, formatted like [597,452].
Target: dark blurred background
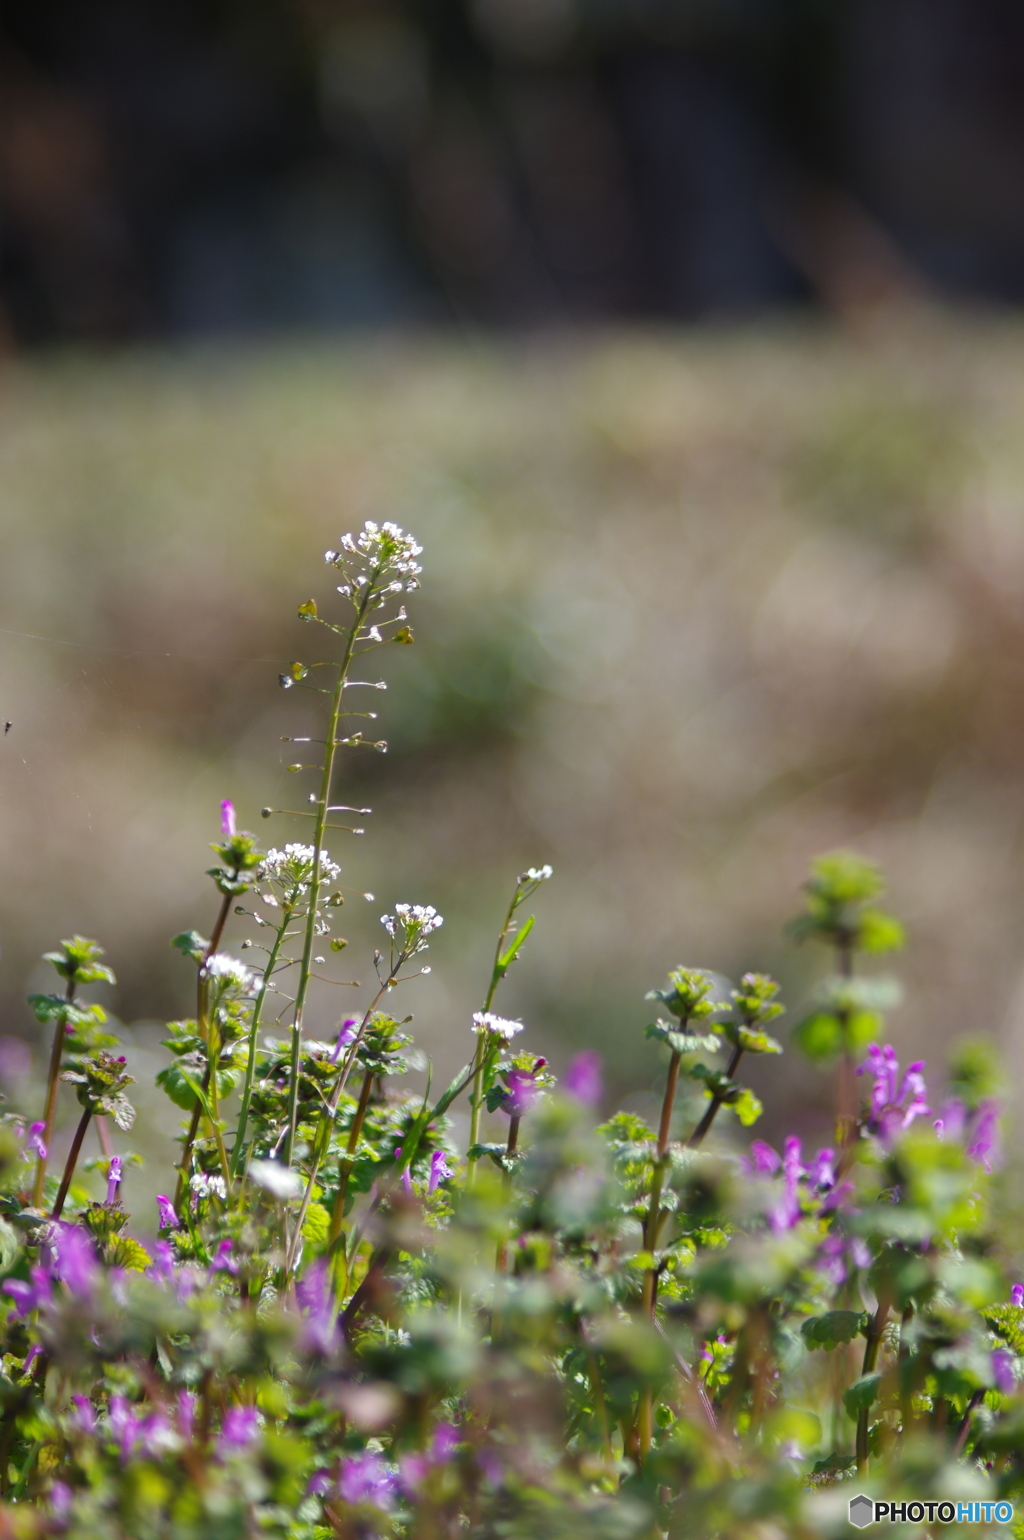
[170,167]
[685,334]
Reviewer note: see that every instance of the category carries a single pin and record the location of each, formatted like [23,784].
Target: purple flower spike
[223,1262]
[1002,1371]
[822,1171]
[582,1080]
[61,1498]
[785,1213]
[895,1102]
[444,1443]
[346,1036]
[227,819]
[240,1429]
[522,1093]
[440,1170]
[762,1160]
[74,1260]
[35,1139]
[113,1180]
[168,1218]
[84,1415]
[1017,1295]
[366,1479]
[30,1296]
[984,1134]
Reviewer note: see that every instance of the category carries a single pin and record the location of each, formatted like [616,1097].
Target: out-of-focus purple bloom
[84,1414]
[74,1260]
[30,1296]
[162,1267]
[149,1436]
[784,1214]
[522,1093]
[762,1159]
[822,1172]
[983,1133]
[35,1139]
[113,1179]
[227,819]
[365,1478]
[414,1468]
[838,1252]
[406,1178]
[346,1036]
[15,1059]
[316,1301]
[30,1357]
[241,1427]
[895,1102]
[320,1483]
[444,1442]
[223,1261]
[186,1413]
[952,1119]
[61,1498]
[583,1079]
[836,1198]
[1002,1371]
[168,1217]
[440,1170]
[1017,1295]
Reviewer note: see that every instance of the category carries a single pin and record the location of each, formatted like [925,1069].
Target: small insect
[7,728]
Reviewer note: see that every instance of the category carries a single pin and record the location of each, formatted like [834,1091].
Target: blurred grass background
[696,606]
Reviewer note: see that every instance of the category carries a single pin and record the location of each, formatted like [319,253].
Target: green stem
[696,1139]
[345,1165]
[652,1225]
[476,1099]
[871,1347]
[52,1081]
[322,807]
[238,1152]
[69,1168]
[201,997]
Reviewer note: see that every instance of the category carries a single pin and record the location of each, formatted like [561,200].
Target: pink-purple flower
[36,1141]
[227,819]
[582,1080]
[440,1170]
[113,1179]
[895,1101]
[240,1428]
[168,1216]
[364,1478]
[1017,1295]
[1002,1371]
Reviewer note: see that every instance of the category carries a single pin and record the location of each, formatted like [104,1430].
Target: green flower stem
[213,1064]
[72,1160]
[345,1164]
[323,803]
[871,1347]
[201,997]
[696,1139]
[846,1111]
[52,1081]
[250,1068]
[477,1096]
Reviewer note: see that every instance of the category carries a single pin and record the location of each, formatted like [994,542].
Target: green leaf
[308,610]
[879,932]
[128,1253]
[861,1394]
[750,1039]
[837,1326]
[191,944]
[9,1245]
[179,1085]
[509,957]
[682,1042]
[747,1107]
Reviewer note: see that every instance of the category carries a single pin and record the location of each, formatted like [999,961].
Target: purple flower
[223,1261]
[316,1301]
[365,1478]
[61,1498]
[35,1139]
[1017,1295]
[895,1102]
[168,1218]
[30,1296]
[84,1416]
[582,1079]
[762,1160]
[838,1252]
[148,1436]
[444,1443]
[983,1133]
[1002,1371]
[320,1483]
[74,1260]
[440,1170]
[227,819]
[786,1211]
[113,1179]
[347,1035]
[241,1427]
[162,1268]
[406,1178]
[821,1172]
[522,1093]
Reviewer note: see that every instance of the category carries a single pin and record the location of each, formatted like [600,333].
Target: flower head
[168,1217]
[440,1170]
[347,1034]
[293,867]
[113,1179]
[228,971]
[74,1260]
[1003,1374]
[485,1023]
[385,548]
[240,1428]
[1017,1295]
[410,925]
[582,1080]
[227,819]
[35,1139]
[895,1102]
[537,874]
[365,1478]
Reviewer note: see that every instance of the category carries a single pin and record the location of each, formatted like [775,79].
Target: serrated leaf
[750,1039]
[680,1041]
[862,1394]
[747,1106]
[191,944]
[127,1252]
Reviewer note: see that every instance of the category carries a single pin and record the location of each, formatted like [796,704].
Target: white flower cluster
[388,549]
[537,874]
[410,925]
[203,1184]
[294,864]
[229,970]
[495,1026]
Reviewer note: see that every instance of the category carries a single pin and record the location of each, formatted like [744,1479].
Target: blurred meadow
[697,605]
